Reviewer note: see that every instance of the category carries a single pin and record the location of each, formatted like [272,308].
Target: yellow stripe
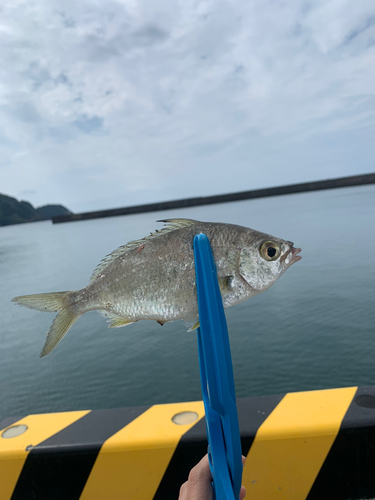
[13,450]
[132,462]
[292,444]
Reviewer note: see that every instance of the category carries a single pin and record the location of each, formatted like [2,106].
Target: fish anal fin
[118,322]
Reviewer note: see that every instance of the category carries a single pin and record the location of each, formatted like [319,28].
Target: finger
[242,492]
[243,489]
[183,492]
[199,482]
[204,467]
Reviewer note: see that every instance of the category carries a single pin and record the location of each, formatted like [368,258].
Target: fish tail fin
[47,302]
[52,302]
[59,328]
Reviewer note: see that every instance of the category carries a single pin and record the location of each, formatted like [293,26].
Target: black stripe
[6,422]
[349,469]
[252,412]
[58,467]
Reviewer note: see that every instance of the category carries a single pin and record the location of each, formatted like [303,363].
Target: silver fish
[154,278]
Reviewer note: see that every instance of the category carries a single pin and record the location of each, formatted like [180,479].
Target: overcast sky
[110,103]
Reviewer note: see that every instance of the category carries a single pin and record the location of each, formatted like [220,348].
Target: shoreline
[340,182]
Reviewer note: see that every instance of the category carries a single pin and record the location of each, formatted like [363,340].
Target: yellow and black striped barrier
[308,445]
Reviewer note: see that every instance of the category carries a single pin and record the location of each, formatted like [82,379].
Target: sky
[107,103]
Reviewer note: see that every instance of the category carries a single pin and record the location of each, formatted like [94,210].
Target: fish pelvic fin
[59,328]
[194,327]
[46,302]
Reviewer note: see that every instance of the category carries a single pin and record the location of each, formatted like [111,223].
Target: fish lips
[291,256]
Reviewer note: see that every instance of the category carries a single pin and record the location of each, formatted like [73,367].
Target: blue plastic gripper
[215,362]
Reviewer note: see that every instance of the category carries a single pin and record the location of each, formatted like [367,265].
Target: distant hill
[13,211]
[49,211]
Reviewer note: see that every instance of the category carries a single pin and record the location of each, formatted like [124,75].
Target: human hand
[198,486]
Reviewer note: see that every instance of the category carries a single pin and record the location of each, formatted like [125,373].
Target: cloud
[121,102]
[88,125]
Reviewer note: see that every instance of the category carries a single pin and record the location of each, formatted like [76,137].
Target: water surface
[315,328]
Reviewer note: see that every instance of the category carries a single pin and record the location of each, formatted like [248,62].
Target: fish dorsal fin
[170,225]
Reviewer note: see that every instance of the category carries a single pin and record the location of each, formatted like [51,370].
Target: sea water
[314,329]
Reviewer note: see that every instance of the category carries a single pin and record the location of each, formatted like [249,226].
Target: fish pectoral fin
[118,322]
[225,284]
[194,327]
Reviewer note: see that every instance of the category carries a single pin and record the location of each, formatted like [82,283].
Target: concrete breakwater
[354,180]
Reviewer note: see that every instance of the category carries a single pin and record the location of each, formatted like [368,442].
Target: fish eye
[270,250]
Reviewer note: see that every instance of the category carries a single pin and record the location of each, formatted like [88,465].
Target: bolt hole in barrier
[215,362]
[185,418]
[14,431]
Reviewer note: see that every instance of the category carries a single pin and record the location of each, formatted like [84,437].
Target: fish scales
[154,278]
[163,287]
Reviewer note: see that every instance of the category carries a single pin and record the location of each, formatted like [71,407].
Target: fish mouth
[291,256]
[296,257]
